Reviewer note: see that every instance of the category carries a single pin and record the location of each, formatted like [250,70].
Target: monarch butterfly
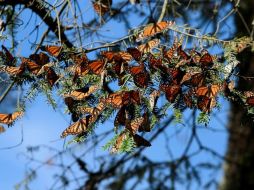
[116,56]
[153,98]
[182,54]
[97,66]
[78,70]
[140,141]
[114,99]
[13,70]
[111,56]
[102,7]
[134,125]
[208,91]
[154,28]
[134,70]
[172,51]
[154,63]
[176,75]
[140,76]
[120,118]
[125,56]
[10,118]
[206,104]
[2,129]
[93,111]
[145,126]
[147,47]
[82,93]
[77,127]
[35,68]
[171,91]
[141,79]
[10,60]
[52,50]
[51,76]
[135,53]
[206,60]
[31,65]
[132,96]
[195,79]
[119,68]
[40,59]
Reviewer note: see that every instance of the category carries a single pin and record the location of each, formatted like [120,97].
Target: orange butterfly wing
[135,53]
[78,127]
[154,28]
[134,125]
[10,118]
[40,59]
[13,70]
[96,67]
[182,54]
[171,91]
[141,79]
[125,56]
[147,47]
[132,96]
[115,100]
[206,60]
[120,118]
[81,94]
[31,65]
[206,104]
[51,76]
[52,50]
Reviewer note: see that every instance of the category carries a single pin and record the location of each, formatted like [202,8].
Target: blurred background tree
[28,24]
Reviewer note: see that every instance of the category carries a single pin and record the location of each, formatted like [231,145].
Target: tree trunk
[239,171]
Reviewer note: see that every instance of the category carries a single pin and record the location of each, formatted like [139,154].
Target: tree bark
[239,172]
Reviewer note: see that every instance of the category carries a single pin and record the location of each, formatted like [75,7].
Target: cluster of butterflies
[39,65]
[145,73]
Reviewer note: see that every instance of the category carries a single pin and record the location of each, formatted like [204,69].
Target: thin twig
[163,11]
[6,91]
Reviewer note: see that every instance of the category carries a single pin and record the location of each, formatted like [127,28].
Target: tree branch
[43,12]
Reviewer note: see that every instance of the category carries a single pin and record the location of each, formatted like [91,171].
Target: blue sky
[43,125]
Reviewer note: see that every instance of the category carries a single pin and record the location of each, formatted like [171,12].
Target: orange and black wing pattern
[82,93]
[171,91]
[96,67]
[10,118]
[53,50]
[78,127]
[153,29]
[206,60]
[135,53]
[147,47]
